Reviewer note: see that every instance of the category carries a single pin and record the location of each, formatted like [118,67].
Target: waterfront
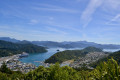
[33,60]
[38,58]
[14,64]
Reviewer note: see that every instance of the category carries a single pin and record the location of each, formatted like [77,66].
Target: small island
[58,50]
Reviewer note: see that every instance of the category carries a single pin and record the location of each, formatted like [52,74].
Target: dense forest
[8,52]
[71,54]
[92,49]
[9,48]
[109,70]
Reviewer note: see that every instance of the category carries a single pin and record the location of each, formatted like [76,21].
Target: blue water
[37,58]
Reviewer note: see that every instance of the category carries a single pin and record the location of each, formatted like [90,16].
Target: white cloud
[33,21]
[56,9]
[87,14]
[51,18]
[67,27]
[115,20]
[117,17]
[112,10]
[48,7]
[111,5]
[56,30]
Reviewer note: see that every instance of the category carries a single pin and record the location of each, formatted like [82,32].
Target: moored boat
[24,54]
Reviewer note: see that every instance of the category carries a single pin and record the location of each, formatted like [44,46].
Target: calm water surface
[37,58]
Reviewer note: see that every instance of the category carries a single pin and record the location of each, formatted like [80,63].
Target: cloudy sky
[61,20]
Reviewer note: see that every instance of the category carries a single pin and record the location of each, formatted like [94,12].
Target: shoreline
[5,59]
[14,64]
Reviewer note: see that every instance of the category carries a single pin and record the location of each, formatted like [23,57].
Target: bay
[38,58]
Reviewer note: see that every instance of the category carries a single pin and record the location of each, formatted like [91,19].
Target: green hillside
[8,48]
[92,49]
[71,54]
[109,70]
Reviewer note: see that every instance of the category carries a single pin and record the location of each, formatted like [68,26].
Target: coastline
[14,64]
[5,59]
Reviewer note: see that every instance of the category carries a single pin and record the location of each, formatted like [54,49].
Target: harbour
[26,62]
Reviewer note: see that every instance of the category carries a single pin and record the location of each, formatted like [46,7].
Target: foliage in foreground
[109,70]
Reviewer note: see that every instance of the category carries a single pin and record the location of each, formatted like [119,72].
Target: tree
[4,69]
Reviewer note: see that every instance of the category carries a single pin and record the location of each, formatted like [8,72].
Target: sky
[61,20]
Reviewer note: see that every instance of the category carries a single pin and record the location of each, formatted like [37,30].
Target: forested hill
[9,48]
[65,44]
[92,49]
[5,44]
[71,54]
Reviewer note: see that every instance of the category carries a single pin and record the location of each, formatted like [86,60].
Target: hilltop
[9,48]
[71,54]
[64,44]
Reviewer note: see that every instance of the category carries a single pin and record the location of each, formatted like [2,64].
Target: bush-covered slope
[92,49]
[5,44]
[8,48]
[8,52]
[71,54]
[109,70]
[65,55]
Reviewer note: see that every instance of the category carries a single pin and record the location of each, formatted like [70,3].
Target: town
[14,64]
[89,58]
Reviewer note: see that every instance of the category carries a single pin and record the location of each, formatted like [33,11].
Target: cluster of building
[14,64]
[89,58]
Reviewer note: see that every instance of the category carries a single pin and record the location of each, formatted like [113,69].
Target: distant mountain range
[9,39]
[9,48]
[65,44]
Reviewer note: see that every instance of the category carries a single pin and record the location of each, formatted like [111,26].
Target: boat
[24,54]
